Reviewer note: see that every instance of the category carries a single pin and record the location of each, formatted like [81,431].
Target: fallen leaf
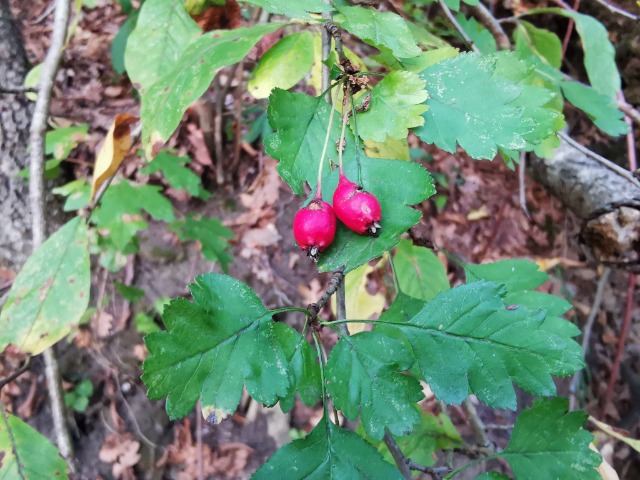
[116,145]
[120,450]
[479,214]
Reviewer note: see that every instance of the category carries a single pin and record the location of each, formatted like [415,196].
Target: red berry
[314,227]
[357,209]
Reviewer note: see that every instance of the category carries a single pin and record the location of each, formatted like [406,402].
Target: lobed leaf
[520,277]
[212,235]
[328,452]
[380,29]
[363,374]
[549,442]
[177,174]
[507,114]
[467,340]
[51,292]
[396,105]
[225,339]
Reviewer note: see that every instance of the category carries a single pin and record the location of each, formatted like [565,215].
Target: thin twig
[405,465]
[36,197]
[457,26]
[522,184]
[489,21]
[618,10]
[398,456]
[341,309]
[200,464]
[23,368]
[326,51]
[586,335]
[624,332]
[335,281]
[607,163]
[477,425]
[630,111]
[567,35]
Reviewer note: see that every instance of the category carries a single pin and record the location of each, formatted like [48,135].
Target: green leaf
[415,64]
[418,271]
[599,52]
[51,292]
[61,141]
[162,33]
[225,339]
[599,108]
[300,123]
[540,42]
[77,193]
[467,340]
[164,104]
[433,433]
[283,65]
[119,43]
[363,373]
[145,324]
[396,106]
[121,209]
[212,235]
[479,35]
[493,476]
[549,442]
[297,9]
[506,115]
[520,277]
[327,453]
[380,177]
[27,454]
[177,175]
[384,29]
[129,292]
[305,374]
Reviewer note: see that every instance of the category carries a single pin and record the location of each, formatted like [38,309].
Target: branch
[630,111]
[25,366]
[490,22]
[36,197]
[477,425]
[334,283]
[406,464]
[618,10]
[586,335]
[457,26]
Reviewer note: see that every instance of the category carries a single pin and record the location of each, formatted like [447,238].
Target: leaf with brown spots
[50,294]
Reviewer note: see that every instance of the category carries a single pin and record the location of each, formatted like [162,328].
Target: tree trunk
[607,203]
[15,116]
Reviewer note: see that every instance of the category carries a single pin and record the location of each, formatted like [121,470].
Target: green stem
[342,141]
[396,283]
[326,143]
[357,139]
[338,322]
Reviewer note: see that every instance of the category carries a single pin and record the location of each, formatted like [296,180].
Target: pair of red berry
[314,226]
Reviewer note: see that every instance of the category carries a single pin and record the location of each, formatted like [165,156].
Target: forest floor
[122,434]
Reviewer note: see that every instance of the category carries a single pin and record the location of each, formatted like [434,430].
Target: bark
[15,115]
[607,203]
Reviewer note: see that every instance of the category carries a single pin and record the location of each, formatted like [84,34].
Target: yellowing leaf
[609,430]
[360,304]
[479,214]
[315,77]
[391,148]
[606,471]
[116,146]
